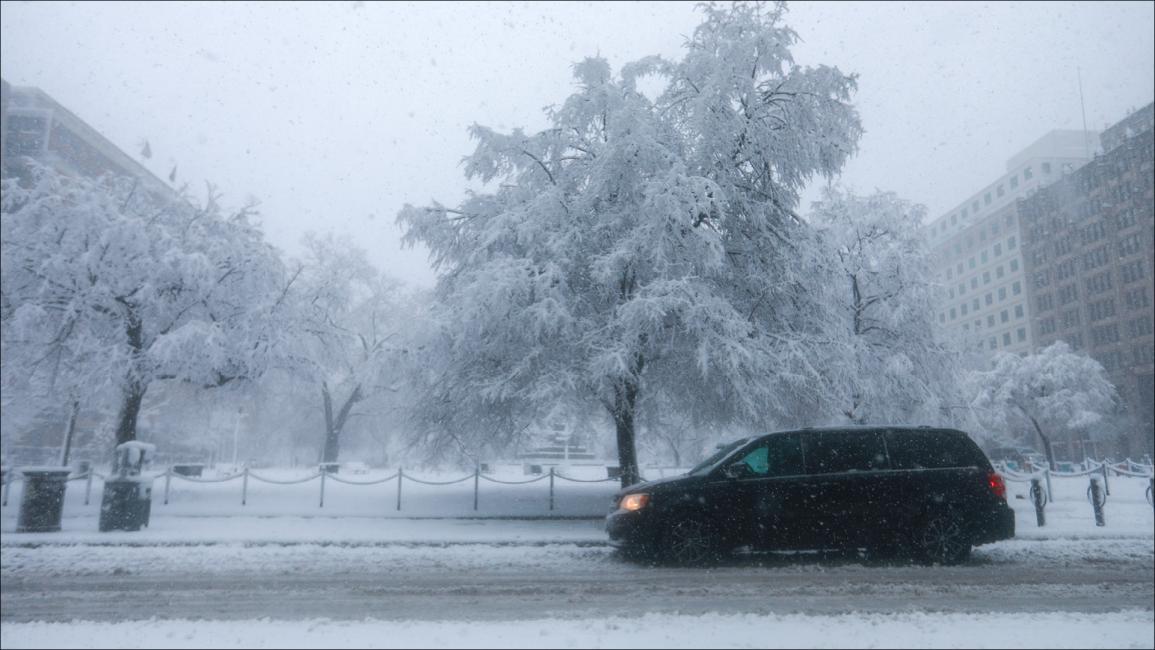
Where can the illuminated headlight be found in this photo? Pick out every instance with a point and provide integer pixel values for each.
(633, 502)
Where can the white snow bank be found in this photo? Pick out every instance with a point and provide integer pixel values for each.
(470, 559)
(318, 530)
(1127, 629)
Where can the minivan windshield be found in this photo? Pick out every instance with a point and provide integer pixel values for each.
(713, 458)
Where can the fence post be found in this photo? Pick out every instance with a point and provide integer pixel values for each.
(1106, 483)
(323, 473)
(87, 487)
(8, 484)
(167, 481)
(245, 486)
(1047, 475)
(1039, 499)
(400, 472)
(476, 477)
(551, 489)
(1097, 501)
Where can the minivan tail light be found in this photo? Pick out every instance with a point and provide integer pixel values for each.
(997, 485)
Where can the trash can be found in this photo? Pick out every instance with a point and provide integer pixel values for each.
(43, 500)
(127, 500)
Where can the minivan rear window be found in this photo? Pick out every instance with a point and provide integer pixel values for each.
(932, 450)
(844, 451)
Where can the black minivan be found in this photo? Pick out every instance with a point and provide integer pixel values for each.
(929, 493)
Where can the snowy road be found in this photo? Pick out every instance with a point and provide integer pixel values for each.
(562, 580)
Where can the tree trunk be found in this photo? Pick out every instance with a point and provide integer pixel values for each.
(68, 433)
(334, 425)
(1047, 448)
(625, 397)
(134, 391)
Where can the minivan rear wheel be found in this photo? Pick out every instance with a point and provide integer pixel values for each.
(942, 540)
(689, 541)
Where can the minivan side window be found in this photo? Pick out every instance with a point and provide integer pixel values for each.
(932, 450)
(849, 451)
(779, 455)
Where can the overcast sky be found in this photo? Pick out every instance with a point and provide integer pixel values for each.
(334, 115)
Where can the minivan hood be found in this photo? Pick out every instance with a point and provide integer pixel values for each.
(647, 486)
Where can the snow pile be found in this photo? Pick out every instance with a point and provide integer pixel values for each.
(1127, 629)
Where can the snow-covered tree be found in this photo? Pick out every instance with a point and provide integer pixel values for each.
(895, 370)
(1052, 390)
(350, 319)
(124, 288)
(641, 247)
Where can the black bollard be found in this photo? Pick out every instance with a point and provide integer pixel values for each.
(1039, 498)
(1098, 499)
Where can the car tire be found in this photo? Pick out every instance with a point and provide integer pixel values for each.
(941, 539)
(691, 541)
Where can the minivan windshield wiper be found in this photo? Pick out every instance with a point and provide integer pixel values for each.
(717, 456)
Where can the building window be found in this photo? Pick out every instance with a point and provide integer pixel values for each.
(1070, 318)
(986, 277)
(1139, 327)
(971, 263)
(994, 342)
(1068, 294)
(1100, 283)
(975, 304)
(1105, 334)
(1101, 309)
(999, 190)
(1143, 355)
(975, 206)
(1130, 245)
(1135, 299)
(998, 249)
(975, 282)
(1028, 174)
(1004, 316)
(1014, 181)
(1014, 265)
(989, 298)
(963, 309)
(952, 313)
(990, 320)
(1017, 288)
(1018, 311)
(1002, 294)
(953, 219)
(999, 273)
(1022, 334)
(1011, 243)
(1046, 168)
(987, 199)
(1047, 326)
(1045, 302)
(1131, 271)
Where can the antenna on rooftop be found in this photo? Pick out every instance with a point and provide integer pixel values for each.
(1083, 108)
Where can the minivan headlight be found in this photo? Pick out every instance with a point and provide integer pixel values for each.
(634, 502)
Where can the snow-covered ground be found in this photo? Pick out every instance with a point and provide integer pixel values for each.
(1126, 629)
(283, 572)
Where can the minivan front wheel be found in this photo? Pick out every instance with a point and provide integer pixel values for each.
(690, 541)
(942, 540)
